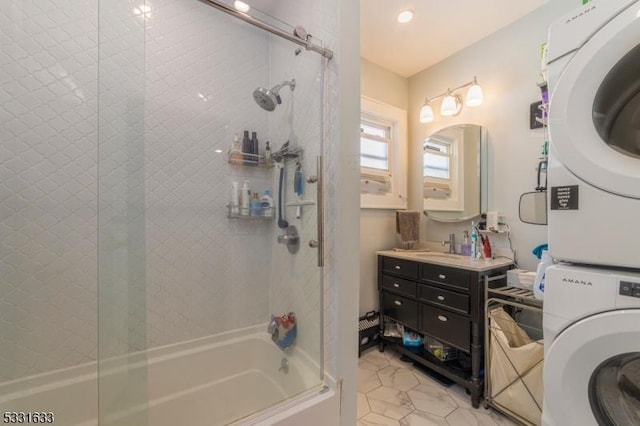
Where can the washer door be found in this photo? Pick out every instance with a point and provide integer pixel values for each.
(592, 372)
(594, 117)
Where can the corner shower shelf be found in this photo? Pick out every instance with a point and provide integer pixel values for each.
(243, 217)
(238, 158)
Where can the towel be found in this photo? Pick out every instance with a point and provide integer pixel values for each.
(283, 330)
(408, 225)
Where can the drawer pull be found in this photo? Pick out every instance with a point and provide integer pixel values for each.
(440, 297)
(398, 267)
(443, 318)
(442, 276)
(397, 302)
(396, 285)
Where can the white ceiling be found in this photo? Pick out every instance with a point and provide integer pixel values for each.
(439, 29)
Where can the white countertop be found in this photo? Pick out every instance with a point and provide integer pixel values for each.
(446, 259)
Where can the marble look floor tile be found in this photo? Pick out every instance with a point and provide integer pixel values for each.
(390, 402)
(432, 400)
(420, 418)
(373, 360)
(394, 358)
(374, 419)
(397, 378)
(367, 380)
(363, 405)
(459, 395)
(425, 379)
(501, 419)
(470, 417)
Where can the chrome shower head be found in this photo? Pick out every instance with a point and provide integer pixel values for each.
(268, 99)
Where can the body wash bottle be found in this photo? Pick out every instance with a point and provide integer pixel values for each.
(235, 201)
(245, 199)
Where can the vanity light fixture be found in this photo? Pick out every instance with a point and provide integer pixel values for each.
(452, 102)
(405, 16)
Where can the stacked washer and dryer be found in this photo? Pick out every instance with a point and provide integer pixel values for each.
(592, 295)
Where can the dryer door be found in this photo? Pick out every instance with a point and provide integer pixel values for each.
(594, 118)
(592, 372)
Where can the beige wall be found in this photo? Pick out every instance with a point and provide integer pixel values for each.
(507, 64)
(377, 226)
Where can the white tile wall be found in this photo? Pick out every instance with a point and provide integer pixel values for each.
(204, 272)
(48, 121)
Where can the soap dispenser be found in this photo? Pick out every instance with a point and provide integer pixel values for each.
(475, 253)
(466, 246)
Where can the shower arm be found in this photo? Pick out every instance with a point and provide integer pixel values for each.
(291, 83)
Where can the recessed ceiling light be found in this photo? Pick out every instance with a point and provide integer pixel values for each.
(405, 16)
(241, 6)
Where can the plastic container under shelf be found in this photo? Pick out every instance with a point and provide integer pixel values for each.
(440, 350)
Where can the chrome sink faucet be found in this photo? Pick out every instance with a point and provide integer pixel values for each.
(451, 242)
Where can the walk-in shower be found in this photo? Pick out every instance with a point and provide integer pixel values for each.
(128, 293)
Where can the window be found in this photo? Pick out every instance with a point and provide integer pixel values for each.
(443, 171)
(383, 156)
(437, 158)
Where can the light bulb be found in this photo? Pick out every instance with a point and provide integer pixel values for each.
(405, 16)
(450, 105)
(474, 94)
(426, 113)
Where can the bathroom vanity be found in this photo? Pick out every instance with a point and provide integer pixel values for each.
(440, 296)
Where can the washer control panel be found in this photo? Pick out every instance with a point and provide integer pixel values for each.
(628, 288)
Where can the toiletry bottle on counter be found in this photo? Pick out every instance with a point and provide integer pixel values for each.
(466, 246)
(245, 199)
(247, 147)
(475, 253)
(254, 148)
(267, 204)
(235, 202)
(538, 285)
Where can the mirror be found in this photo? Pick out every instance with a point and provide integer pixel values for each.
(533, 208)
(454, 169)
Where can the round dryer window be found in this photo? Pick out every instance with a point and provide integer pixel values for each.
(614, 390)
(616, 108)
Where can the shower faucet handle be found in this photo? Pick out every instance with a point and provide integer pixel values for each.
(312, 179)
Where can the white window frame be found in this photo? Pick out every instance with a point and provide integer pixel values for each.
(397, 198)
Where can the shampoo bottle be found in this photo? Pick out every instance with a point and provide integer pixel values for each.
(247, 148)
(254, 149)
(245, 199)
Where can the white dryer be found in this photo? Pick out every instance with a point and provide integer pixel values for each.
(594, 126)
(591, 327)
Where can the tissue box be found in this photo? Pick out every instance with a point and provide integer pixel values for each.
(521, 278)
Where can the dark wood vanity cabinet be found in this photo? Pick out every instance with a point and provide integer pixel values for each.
(443, 302)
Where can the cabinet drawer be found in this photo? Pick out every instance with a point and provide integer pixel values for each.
(405, 268)
(455, 301)
(399, 285)
(441, 274)
(444, 325)
(401, 309)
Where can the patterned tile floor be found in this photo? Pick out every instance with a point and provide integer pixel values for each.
(393, 392)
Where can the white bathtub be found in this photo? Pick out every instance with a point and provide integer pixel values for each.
(232, 377)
